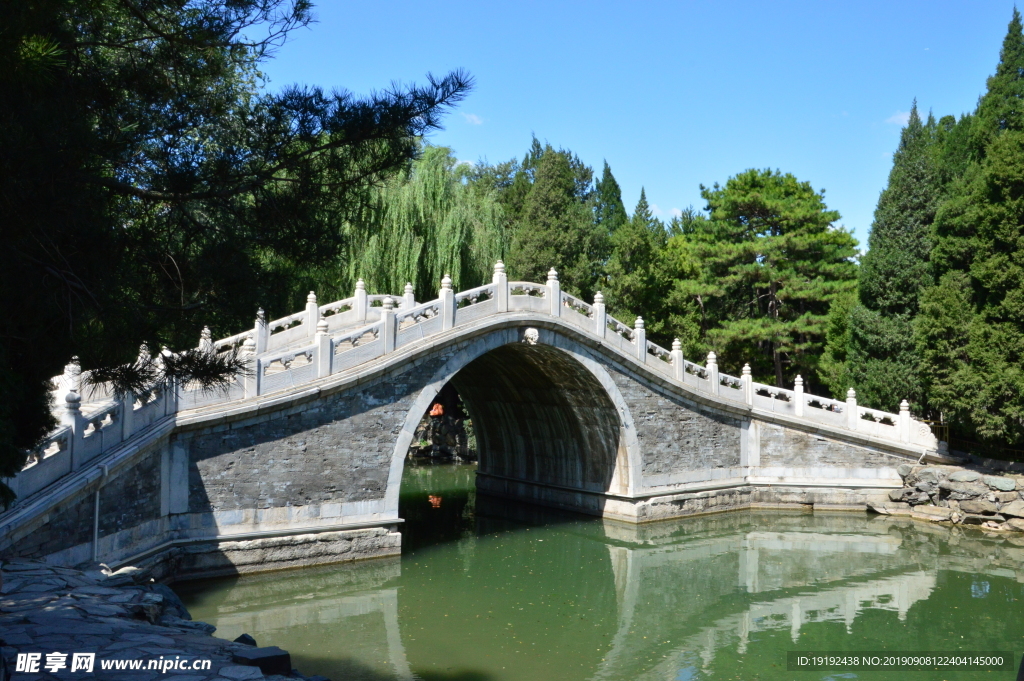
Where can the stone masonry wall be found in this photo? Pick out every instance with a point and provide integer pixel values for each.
(132, 497)
(785, 447)
(335, 450)
(678, 435)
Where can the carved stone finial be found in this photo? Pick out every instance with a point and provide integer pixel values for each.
(321, 326)
(360, 285)
(851, 394)
(311, 298)
(746, 369)
(446, 283)
(598, 298)
(676, 345)
(389, 304)
(552, 275)
(143, 354)
(206, 334)
(248, 347)
(798, 382)
(904, 406)
(73, 401)
(639, 323)
(408, 289)
(499, 267)
(261, 316)
(712, 358)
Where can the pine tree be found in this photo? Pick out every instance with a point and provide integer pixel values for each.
(773, 263)
(1002, 106)
(609, 211)
(633, 285)
(555, 226)
(882, 363)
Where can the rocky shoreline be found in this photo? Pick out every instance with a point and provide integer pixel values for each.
(958, 495)
(117, 616)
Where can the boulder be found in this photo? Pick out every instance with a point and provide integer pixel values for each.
(926, 487)
(1006, 497)
(972, 519)
(931, 474)
(1000, 483)
(963, 490)
(270, 660)
(978, 506)
(904, 469)
(1014, 508)
(965, 476)
(932, 513)
(1016, 524)
(917, 498)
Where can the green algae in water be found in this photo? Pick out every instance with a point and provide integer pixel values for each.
(495, 590)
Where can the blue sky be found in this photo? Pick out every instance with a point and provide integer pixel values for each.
(673, 94)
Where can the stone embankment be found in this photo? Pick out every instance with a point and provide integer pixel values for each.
(56, 612)
(958, 495)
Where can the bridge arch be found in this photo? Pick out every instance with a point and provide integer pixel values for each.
(547, 415)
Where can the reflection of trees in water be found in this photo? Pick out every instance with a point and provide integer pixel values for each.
(697, 589)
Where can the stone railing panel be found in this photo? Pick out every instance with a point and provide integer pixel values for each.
(825, 410)
(52, 462)
(524, 296)
(287, 370)
(475, 304)
(358, 346)
(778, 400)
(660, 359)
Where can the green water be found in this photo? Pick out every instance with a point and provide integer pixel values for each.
(498, 591)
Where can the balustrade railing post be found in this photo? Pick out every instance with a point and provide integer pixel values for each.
(678, 361)
(72, 418)
(388, 324)
(712, 367)
(324, 350)
(640, 340)
(409, 299)
(554, 294)
(127, 402)
(312, 314)
(251, 381)
(447, 304)
(904, 421)
(500, 286)
(748, 385)
(261, 334)
(206, 341)
(798, 395)
(361, 301)
(600, 315)
(851, 409)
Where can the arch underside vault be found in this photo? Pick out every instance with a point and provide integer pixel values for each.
(542, 417)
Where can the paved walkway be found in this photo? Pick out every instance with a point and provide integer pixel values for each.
(121, 616)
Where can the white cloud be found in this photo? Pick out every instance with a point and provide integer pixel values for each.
(473, 119)
(675, 212)
(655, 210)
(899, 118)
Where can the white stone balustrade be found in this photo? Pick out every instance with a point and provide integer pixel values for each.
(324, 340)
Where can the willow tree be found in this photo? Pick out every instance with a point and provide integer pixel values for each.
(423, 223)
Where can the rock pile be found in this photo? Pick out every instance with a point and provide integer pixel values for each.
(958, 495)
(54, 611)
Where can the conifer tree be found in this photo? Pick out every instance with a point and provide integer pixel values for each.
(609, 211)
(882, 363)
(632, 274)
(773, 264)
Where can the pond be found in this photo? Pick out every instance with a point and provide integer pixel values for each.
(491, 590)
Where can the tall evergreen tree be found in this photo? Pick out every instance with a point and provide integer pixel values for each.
(1002, 106)
(556, 228)
(633, 284)
(882, 363)
(609, 211)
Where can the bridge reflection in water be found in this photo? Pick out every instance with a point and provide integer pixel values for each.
(525, 593)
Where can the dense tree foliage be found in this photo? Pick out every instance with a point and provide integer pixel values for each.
(940, 317)
(151, 186)
(882, 363)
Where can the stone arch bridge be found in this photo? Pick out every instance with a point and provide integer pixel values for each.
(301, 461)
